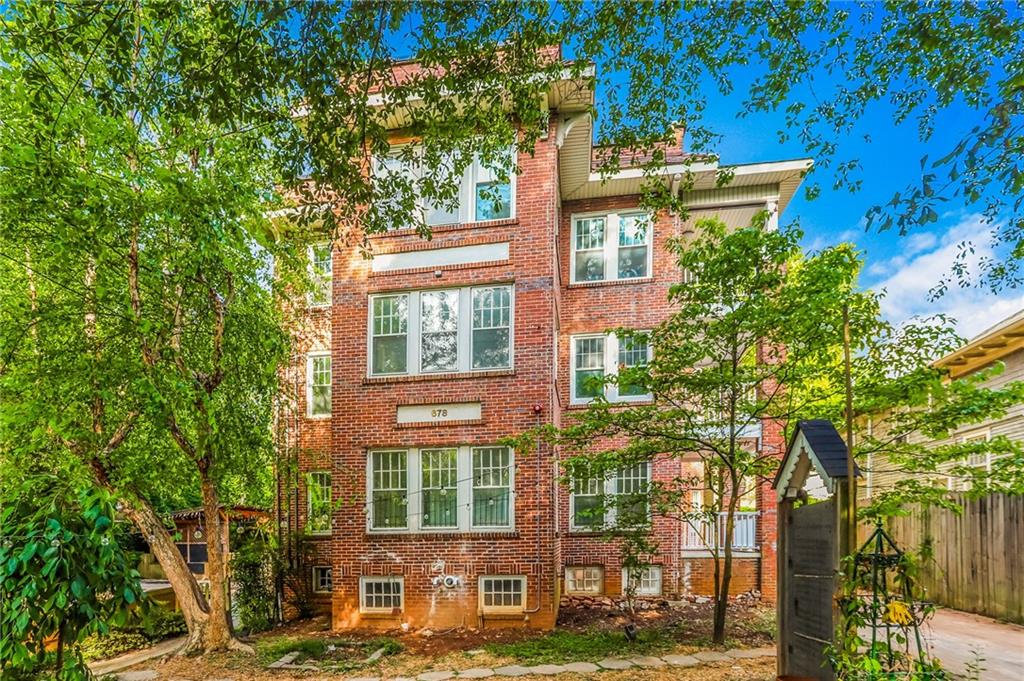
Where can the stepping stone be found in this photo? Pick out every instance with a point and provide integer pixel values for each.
(647, 661)
(681, 660)
(376, 655)
(610, 663)
(435, 676)
(476, 651)
(285, 660)
(141, 675)
(547, 669)
(512, 670)
(749, 653)
(712, 656)
(476, 673)
(582, 667)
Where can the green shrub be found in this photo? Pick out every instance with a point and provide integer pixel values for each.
(100, 646)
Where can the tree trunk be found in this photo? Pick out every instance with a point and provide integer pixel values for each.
(722, 587)
(190, 599)
(219, 634)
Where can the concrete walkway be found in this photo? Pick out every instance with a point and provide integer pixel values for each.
(953, 636)
(116, 664)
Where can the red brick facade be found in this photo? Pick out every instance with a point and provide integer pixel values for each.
(548, 310)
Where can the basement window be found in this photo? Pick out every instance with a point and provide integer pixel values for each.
(502, 594)
(584, 580)
(322, 582)
(645, 581)
(381, 594)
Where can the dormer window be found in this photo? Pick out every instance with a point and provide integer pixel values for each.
(611, 247)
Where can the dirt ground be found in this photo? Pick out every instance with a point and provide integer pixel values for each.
(240, 670)
(688, 625)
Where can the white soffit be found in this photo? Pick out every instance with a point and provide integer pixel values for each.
(441, 257)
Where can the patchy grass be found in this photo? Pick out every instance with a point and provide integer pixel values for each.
(322, 649)
(574, 646)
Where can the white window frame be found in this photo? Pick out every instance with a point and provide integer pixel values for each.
(467, 187)
(463, 490)
(611, 245)
(326, 278)
(363, 581)
(572, 586)
(414, 332)
(608, 491)
(310, 359)
(316, 579)
(309, 503)
(982, 435)
(502, 608)
(611, 368)
(641, 590)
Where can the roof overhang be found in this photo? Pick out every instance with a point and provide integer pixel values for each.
(987, 347)
(578, 181)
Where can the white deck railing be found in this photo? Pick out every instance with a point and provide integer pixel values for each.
(705, 535)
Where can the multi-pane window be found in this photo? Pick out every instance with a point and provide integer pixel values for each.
(457, 489)
(389, 490)
(318, 381)
(502, 593)
(595, 357)
(588, 367)
(611, 247)
(318, 493)
(441, 331)
(589, 250)
(587, 503)
(584, 580)
(322, 579)
(389, 334)
(492, 196)
(492, 486)
(619, 499)
(439, 488)
(492, 326)
(321, 272)
(479, 192)
(631, 489)
(645, 581)
(381, 594)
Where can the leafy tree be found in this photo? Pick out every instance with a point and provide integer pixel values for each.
(62, 574)
(752, 319)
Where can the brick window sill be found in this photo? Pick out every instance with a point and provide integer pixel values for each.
(610, 282)
(450, 376)
(440, 536)
(440, 229)
(612, 405)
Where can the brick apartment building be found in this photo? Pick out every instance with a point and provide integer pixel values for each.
(433, 351)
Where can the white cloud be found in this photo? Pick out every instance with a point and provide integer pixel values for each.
(922, 264)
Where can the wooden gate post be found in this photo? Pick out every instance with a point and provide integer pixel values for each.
(813, 530)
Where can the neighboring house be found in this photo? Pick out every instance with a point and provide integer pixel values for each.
(433, 351)
(1003, 342)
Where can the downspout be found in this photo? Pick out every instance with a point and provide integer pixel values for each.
(537, 409)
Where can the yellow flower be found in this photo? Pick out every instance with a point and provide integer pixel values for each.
(897, 612)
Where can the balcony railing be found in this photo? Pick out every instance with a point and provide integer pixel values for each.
(705, 535)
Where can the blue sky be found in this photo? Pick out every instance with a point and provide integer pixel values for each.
(905, 267)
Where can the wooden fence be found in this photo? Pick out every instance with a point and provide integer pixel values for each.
(978, 556)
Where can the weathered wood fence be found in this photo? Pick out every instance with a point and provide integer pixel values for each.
(978, 563)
